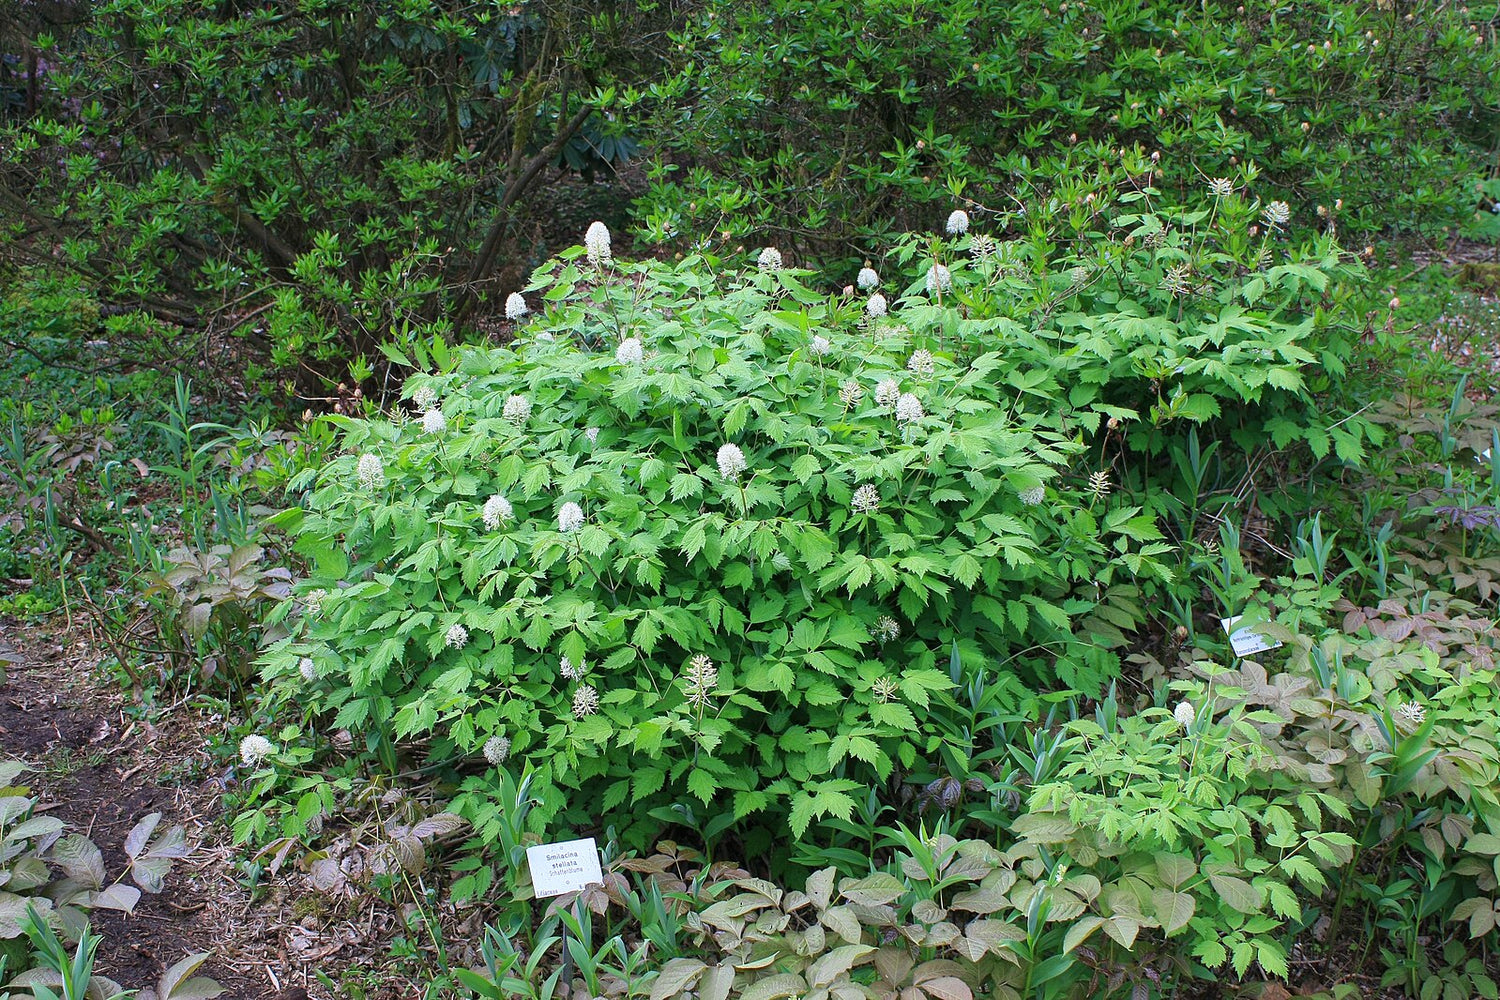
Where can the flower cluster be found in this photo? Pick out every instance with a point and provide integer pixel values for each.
(457, 636)
(1185, 714)
(515, 306)
(254, 749)
(887, 392)
(425, 398)
(921, 363)
(517, 409)
(876, 307)
(820, 345)
(731, 462)
(585, 701)
(496, 750)
(572, 671)
(1099, 484)
(497, 510)
(769, 260)
(313, 601)
(939, 279)
(1277, 214)
(630, 352)
(308, 669)
(908, 409)
(850, 393)
(569, 518)
(866, 500)
(887, 629)
(1175, 281)
(1412, 712)
(370, 472)
(1221, 187)
(433, 421)
(958, 222)
(867, 278)
(1033, 496)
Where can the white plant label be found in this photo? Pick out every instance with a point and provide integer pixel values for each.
(570, 866)
(1246, 641)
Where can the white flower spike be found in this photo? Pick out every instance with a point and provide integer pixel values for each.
(425, 398)
(585, 702)
(866, 500)
(908, 409)
(939, 279)
(596, 242)
(370, 472)
(496, 750)
(517, 409)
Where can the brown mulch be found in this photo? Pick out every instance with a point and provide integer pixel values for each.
(100, 764)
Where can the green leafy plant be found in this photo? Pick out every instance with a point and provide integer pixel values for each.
(215, 600)
(73, 976)
(705, 533)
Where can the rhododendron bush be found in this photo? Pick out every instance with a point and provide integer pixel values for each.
(706, 532)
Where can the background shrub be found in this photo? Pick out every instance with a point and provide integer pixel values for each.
(320, 176)
(830, 127)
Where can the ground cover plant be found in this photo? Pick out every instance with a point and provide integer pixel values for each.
(51, 880)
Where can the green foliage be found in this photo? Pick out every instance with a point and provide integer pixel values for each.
(215, 603)
(1158, 848)
(1485, 224)
(333, 172)
(120, 501)
(74, 977)
(839, 125)
(989, 526)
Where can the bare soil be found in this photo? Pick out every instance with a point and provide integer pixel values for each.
(100, 770)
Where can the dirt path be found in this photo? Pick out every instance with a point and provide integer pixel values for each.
(100, 771)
